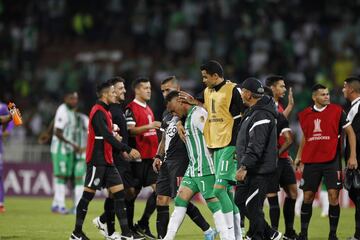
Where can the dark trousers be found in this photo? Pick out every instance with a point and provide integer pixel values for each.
(249, 197)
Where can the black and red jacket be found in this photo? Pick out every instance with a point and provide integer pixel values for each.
(100, 136)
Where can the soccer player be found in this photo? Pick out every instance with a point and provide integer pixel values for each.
(101, 171)
(223, 102)
(63, 149)
(319, 153)
(5, 118)
(171, 161)
(351, 92)
(142, 128)
(285, 174)
(106, 222)
(256, 152)
(79, 166)
(199, 176)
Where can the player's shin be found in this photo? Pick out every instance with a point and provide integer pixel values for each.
(177, 218)
(219, 219)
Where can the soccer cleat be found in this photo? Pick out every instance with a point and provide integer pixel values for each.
(333, 236)
(276, 236)
(101, 226)
(131, 236)
(291, 235)
(114, 236)
(211, 235)
(302, 237)
(59, 210)
(353, 238)
(145, 231)
(78, 236)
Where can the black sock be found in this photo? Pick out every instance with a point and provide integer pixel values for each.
(274, 211)
(334, 214)
(149, 210)
(242, 223)
(81, 209)
(162, 220)
(306, 212)
(110, 215)
(289, 214)
(120, 211)
(196, 217)
(130, 206)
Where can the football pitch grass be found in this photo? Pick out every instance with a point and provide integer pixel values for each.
(30, 218)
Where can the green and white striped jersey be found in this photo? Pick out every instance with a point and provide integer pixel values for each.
(82, 122)
(201, 163)
(66, 121)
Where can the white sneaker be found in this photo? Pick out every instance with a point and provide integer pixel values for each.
(101, 226)
(114, 236)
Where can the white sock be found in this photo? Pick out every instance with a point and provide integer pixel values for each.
(78, 191)
(176, 219)
(237, 226)
(220, 224)
(229, 218)
(56, 193)
(324, 201)
(208, 231)
(61, 196)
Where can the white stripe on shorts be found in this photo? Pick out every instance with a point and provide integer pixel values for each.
(92, 176)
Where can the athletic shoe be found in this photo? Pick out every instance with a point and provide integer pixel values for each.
(101, 226)
(114, 236)
(131, 236)
(210, 235)
(78, 236)
(353, 238)
(276, 236)
(333, 237)
(2, 209)
(302, 237)
(290, 235)
(59, 210)
(145, 231)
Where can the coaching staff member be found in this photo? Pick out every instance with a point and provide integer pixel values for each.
(319, 152)
(351, 92)
(101, 171)
(256, 152)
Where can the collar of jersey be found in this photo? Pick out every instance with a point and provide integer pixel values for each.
(140, 103)
(355, 101)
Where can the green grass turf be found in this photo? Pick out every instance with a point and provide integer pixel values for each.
(30, 218)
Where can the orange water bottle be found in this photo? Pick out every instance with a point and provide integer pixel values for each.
(15, 114)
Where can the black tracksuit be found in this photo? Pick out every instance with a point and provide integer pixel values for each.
(256, 149)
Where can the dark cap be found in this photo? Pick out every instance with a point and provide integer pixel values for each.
(253, 85)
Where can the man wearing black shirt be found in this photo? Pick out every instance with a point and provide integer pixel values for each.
(105, 223)
(101, 171)
(171, 162)
(351, 92)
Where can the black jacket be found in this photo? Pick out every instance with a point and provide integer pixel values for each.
(256, 145)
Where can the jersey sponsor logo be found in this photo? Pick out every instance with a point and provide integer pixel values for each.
(317, 127)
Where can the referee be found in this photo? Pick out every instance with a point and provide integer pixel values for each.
(351, 92)
(101, 171)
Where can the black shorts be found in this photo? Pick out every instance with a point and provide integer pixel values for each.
(124, 168)
(98, 177)
(314, 172)
(169, 179)
(144, 173)
(284, 176)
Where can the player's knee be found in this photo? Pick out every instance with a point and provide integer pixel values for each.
(292, 192)
(309, 197)
(162, 200)
(219, 191)
(214, 205)
(179, 202)
(333, 197)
